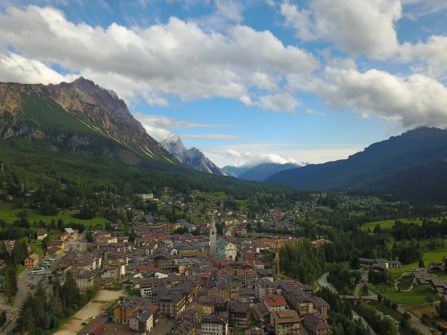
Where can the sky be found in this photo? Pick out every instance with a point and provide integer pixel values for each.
(246, 82)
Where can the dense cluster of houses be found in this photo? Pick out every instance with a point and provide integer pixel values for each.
(177, 277)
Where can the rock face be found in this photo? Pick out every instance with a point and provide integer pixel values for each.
(193, 157)
(78, 114)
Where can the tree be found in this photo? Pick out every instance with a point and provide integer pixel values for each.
(421, 263)
(10, 287)
(442, 308)
(20, 251)
(26, 318)
(70, 292)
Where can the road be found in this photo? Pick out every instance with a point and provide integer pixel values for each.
(27, 282)
(416, 323)
(323, 282)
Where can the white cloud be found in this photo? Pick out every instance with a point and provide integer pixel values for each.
(419, 8)
(159, 134)
(432, 55)
(210, 136)
(251, 158)
(15, 68)
(415, 100)
(280, 102)
(300, 20)
(176, 59)
(160, 127)
(254, 154)
(162, 121)
(359, 27)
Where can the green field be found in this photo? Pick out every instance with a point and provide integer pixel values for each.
(387, 224)
(10, 214)
(429, 256)
(386, 310)
(420, 294)
(36, 247)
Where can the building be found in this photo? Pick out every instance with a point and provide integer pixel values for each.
(214, 325)
(315, 325)
(172, 305)
(239, 314)
(41, 233)
(265, 287)
(126, 309)
(85, 279)
(285, 322)
(275, 303)
(227, 250)
(379, 263)
(32, 260)
(213, 233)
(142, 322)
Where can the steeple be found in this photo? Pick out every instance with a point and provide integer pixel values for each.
(213, 233)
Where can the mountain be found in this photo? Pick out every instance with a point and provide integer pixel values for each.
(235, 171)
(411, 165)
(77, 138)
(78, 117)
(193, 157)
(259, 172)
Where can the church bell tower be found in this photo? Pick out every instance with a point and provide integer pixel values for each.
(213, 233)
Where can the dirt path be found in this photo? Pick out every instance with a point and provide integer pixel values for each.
(89, 312)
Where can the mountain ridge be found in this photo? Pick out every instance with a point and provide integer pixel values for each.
(259, 172)
(406, 166)
(37, 111)
(192, 157)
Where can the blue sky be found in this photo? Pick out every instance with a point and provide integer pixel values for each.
(245, 81)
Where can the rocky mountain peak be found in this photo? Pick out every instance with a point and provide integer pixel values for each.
(192, 157)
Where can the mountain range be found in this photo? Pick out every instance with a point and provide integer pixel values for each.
(81, 134)
(412, 165)
(193, 157)
(260, 172)
(80, 131)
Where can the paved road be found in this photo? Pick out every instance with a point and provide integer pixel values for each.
(416, 322)
(323, 282)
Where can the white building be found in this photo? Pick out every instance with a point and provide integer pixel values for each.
(214, 325)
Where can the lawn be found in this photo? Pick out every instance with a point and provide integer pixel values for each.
(405, 283)
(429, 256)
(386, 310)
(9, 215)
(420, 294)
(36, 246)
(387, 224)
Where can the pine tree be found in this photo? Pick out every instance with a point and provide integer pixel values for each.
(70, 291)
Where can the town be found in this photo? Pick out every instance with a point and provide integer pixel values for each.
(214, 276)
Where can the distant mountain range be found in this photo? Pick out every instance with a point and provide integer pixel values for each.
(193, 157)
(259, 172)
(412, 165)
